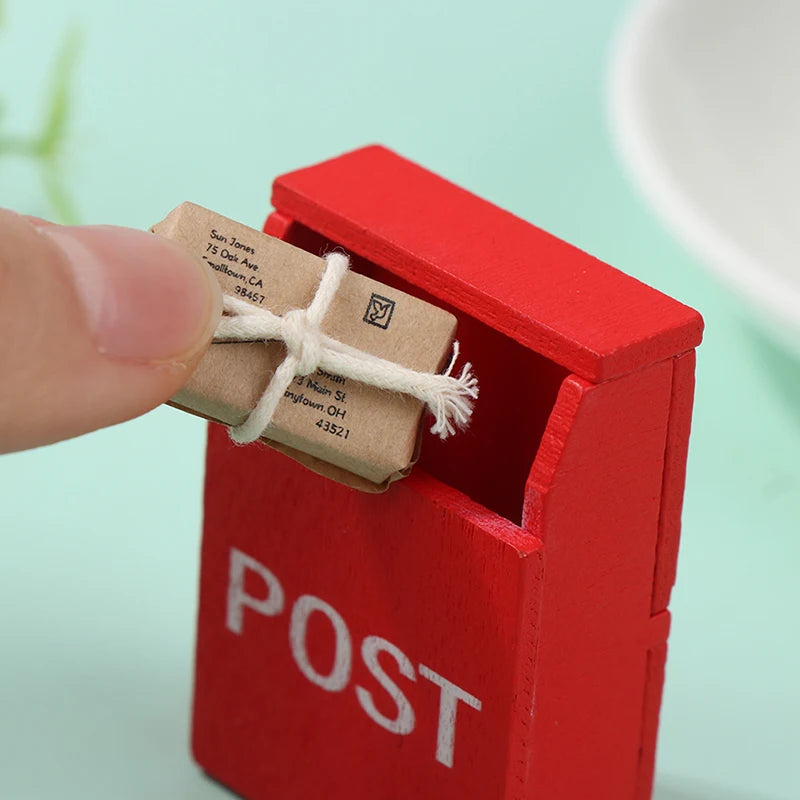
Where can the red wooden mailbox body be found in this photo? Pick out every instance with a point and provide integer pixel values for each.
(494, 626)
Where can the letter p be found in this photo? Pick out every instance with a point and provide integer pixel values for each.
(238, 599)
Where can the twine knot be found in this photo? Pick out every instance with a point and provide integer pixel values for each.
(449, 399)
(301, 336)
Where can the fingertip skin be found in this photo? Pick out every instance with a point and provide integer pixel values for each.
(146, 299)
(97, 325)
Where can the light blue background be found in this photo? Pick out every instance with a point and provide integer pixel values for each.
(204, 101)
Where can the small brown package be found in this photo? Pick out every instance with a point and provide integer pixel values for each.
(351, 432)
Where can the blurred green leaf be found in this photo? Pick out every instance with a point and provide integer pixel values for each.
(58, 195)
(47, 147)
(53, 133)
(17, 146)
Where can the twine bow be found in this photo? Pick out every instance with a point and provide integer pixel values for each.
(449, 399)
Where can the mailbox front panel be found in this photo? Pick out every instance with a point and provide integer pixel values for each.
(356, 645)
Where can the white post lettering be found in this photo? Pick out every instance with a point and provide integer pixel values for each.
(238, 599)
(298, 627)
(448, 706)
(403, 723)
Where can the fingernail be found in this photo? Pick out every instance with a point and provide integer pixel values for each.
(146, 299)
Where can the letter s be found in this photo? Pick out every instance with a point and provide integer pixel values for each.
(403, 723)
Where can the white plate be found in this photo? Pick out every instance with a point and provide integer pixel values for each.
(705, 106)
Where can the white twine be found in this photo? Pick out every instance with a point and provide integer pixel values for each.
(450, 399)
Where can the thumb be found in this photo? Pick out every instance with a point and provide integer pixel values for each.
(97, 325)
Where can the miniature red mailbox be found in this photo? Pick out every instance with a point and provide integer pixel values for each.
(493, 626)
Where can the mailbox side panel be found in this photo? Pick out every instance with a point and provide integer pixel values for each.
(323, 609)
(594, 497)
(674, 479)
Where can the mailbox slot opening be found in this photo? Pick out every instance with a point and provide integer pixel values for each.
(490, 461)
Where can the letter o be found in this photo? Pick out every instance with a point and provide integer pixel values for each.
(339, 675)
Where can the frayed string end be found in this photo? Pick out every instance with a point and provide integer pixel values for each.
(453, 403)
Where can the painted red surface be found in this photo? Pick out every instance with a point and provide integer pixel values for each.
(493, 626)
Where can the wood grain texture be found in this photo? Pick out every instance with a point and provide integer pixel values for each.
(553, 298)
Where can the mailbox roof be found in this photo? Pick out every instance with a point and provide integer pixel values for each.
(550, 296)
